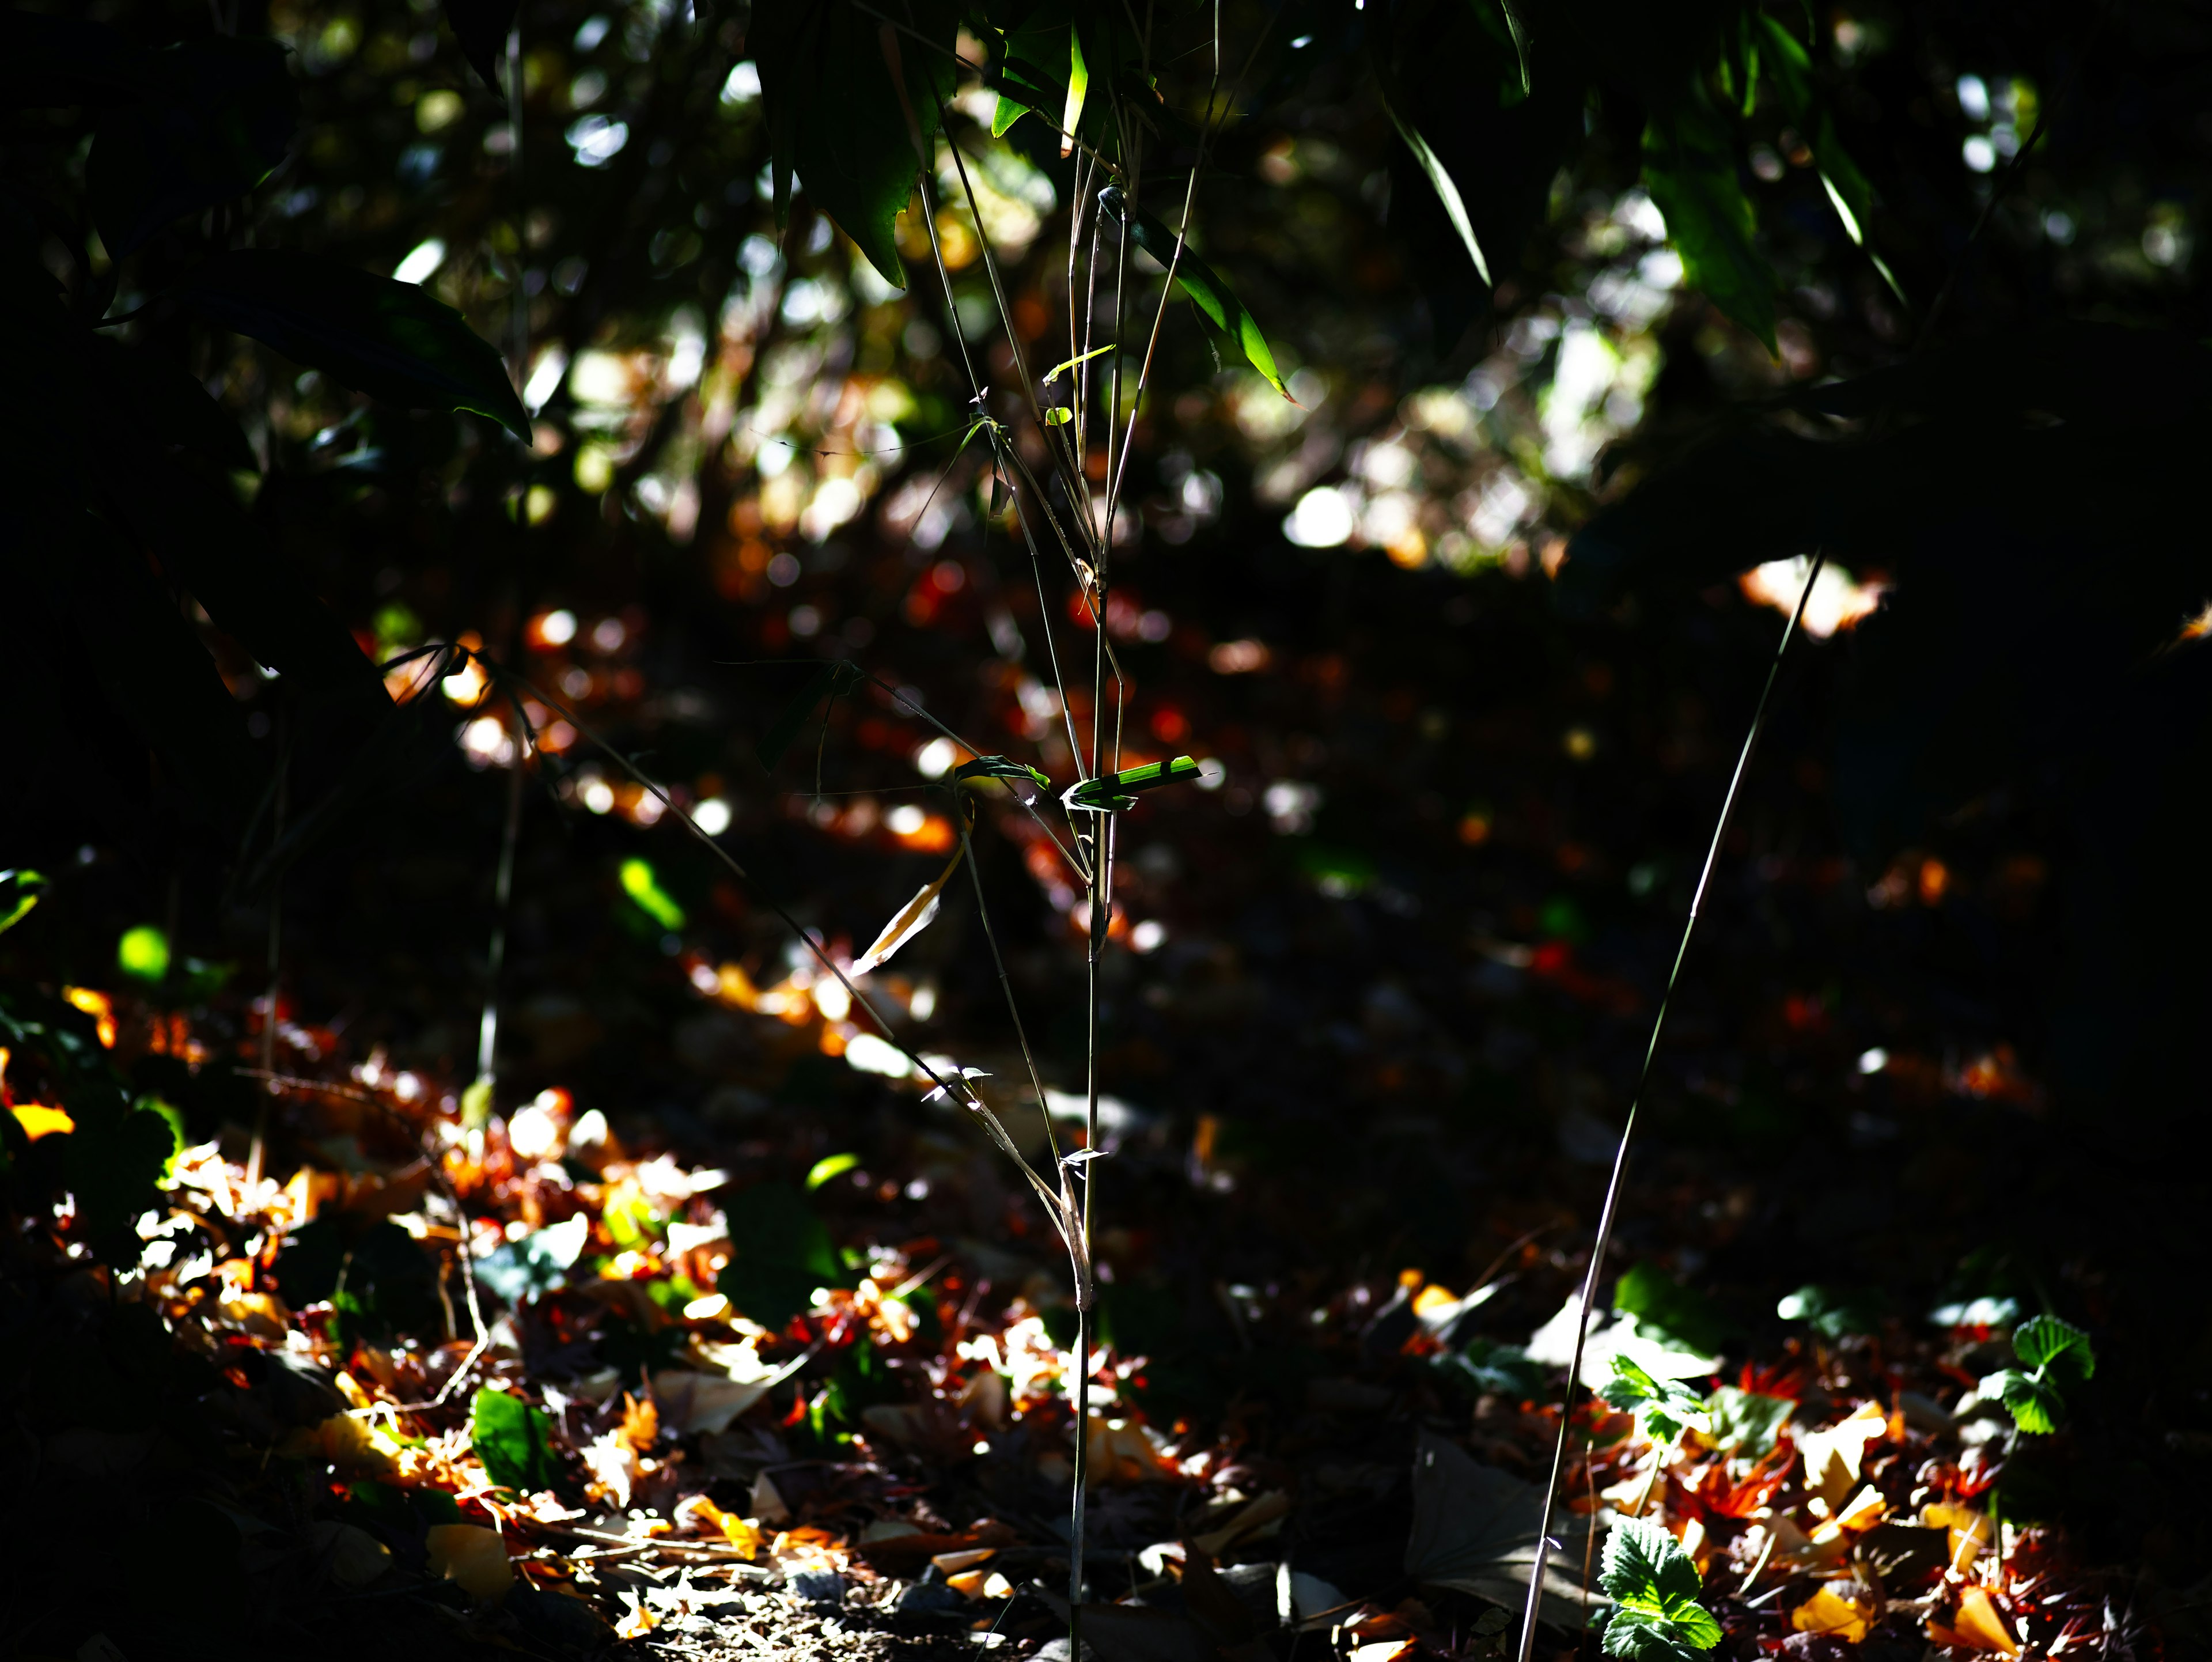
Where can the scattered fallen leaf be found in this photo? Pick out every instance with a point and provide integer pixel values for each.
(40, 1121)
(1971, 1530)
(472, 1557)
(637, 1621)
(1833, 1457)
(1978, 1626)
(910, 920)
(352, 1557)
(1847, 1614)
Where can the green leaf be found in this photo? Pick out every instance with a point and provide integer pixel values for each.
(1646, 1573)
(1667, 1408)
(218, 115)
(837, 120)
(2054, 1348)
(391, 340)
(1395, 105)
(1058, 415)
(830, 681)
(143, 954)
(1665, 1309)
(642, 885)
(510, 1437)
(1831, 1312)
(1492, 1368)
(172, 405)
(1789, 70)
(482, 27)
(2035, 1402)
(780, 1253)
(1224, 314)
(1690, 170)
(19, 894)
(828, 1167)
(1110, 791)
(1746, 1422)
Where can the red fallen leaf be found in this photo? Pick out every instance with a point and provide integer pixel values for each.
(912, 1550)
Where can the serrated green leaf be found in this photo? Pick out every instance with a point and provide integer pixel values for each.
(1656, 1587)
(2054, 1346)
(1224, 314)
(1666, 1407)
(388, 339)
(218, 117)
(2035, 1403)
(1690, 170)
(510, 1437)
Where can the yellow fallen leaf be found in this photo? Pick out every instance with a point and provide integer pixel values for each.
(1432, 1301)
(261, 1314)
(1866, 1509)
(969, 1584)
(352, 1556)
(356, 1447)
(472, 1557)
(40, 1121)
(950, 1564)
(910, 921)
(1971, 1530)
(1833, 1457)
(637, 1621)
(1828, 1611)
(1978, 1626)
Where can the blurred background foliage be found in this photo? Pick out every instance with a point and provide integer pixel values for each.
(1450, 823)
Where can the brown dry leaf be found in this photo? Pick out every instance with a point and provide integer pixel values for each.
(910, 920)
(472, 1557)
(1978, 1626)
(1847, 1615)
(1833, 1457)
(1121, 1452)
(1269, 1508)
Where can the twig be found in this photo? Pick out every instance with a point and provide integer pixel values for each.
(1628, 1128)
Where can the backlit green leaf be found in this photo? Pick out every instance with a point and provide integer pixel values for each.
(2054, 1346)
(19, 894)
(642, 885)
(1689, 169)
(1224, 314)
(509, 1436)
(1646, 1573)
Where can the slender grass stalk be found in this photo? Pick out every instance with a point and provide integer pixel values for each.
(1628, 1127)
(501, 896)
(257, 1152)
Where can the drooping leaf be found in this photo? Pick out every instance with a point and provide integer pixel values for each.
(1394, 103)
(1023, 781)
(839, 122)
(780, 1253)
(511, 1438)
(829, 681)
(216, 116)
(910, 920)
(481, 28)
(1224, 314)
(19, 892)
(1789, 70)
(1690, 170)
(1656, 1587)
(391, 340)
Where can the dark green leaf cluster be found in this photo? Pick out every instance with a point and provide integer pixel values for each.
(1655, 1588)
(2053, 1355)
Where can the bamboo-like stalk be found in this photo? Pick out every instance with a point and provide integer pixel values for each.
(1628, 1127)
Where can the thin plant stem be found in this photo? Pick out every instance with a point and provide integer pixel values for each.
(1013, 1010)
(1628, 1128)
(257, 1154)
(502, 892)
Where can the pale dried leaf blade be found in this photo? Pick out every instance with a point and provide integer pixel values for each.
(912, 919)
(1474, 1528)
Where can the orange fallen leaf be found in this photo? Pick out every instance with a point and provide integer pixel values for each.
(1978, 1626)
(472, 1557)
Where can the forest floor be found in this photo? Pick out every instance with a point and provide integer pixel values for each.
(777, 1361)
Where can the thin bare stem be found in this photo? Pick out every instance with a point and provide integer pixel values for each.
(502, 894)
(1013, 1010)
(1628, 1128)
(257, 1152)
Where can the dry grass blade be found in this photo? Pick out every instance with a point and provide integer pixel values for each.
(911, 919)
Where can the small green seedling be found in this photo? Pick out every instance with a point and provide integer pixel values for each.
(1665, 1408)
(1653, 1586)
(2053, 1353)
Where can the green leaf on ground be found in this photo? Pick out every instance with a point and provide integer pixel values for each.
(1665, 1309)
(510, 1437)
(1666, 1407)
(1648, 1575)
(1747, 1422)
